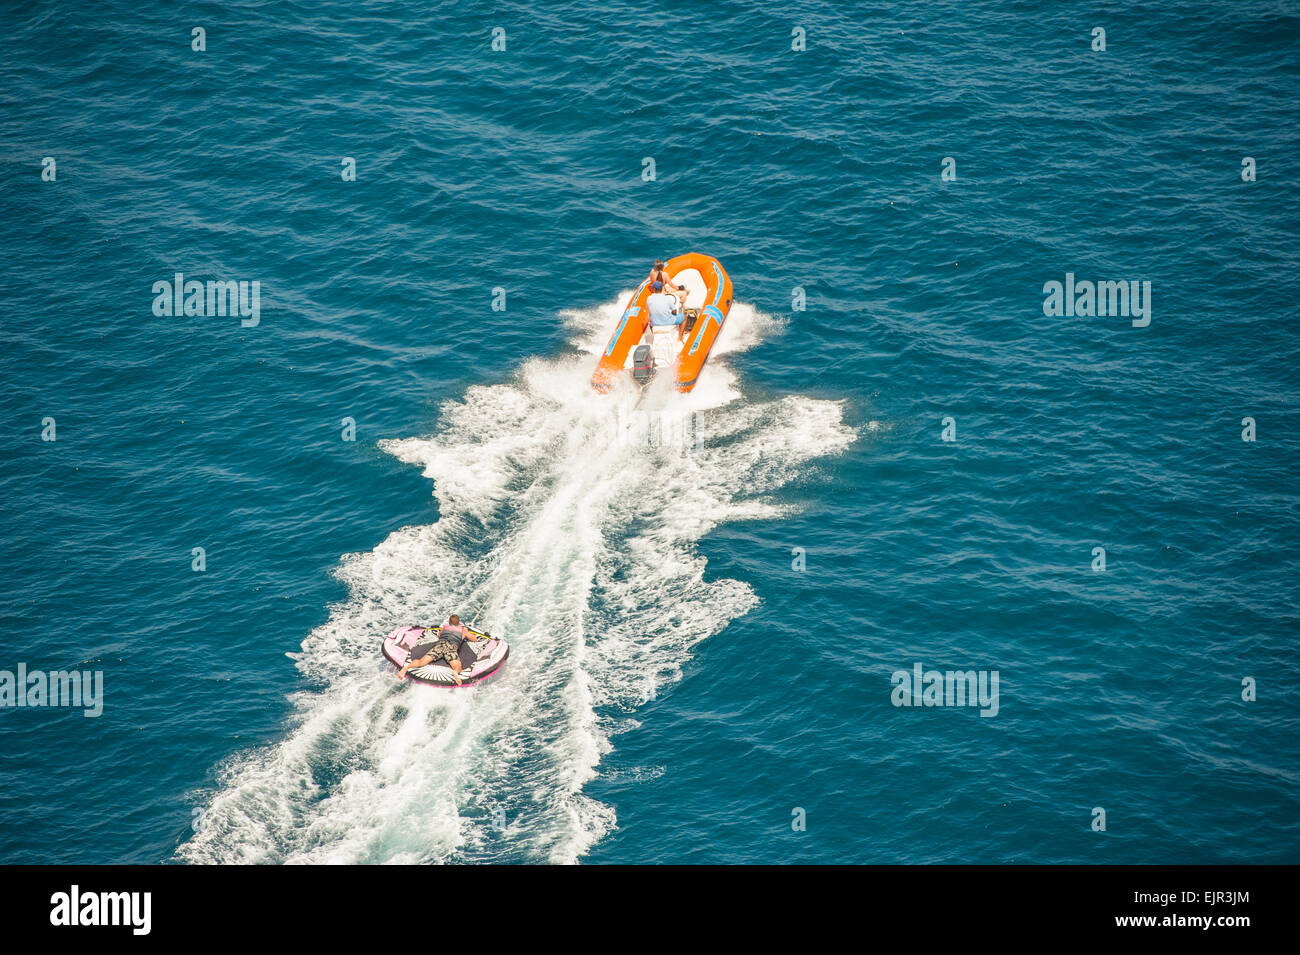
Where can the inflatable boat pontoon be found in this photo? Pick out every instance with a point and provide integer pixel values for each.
(682, 349)
(479, 659)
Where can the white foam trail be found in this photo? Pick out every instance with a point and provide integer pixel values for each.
(574, 518)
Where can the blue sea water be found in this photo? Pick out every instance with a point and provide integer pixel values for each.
(704, 631)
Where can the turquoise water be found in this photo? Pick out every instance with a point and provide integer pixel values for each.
(677, 689)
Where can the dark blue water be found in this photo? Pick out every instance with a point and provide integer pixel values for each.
(703, 629)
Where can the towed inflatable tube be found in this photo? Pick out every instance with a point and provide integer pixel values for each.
(491, 657)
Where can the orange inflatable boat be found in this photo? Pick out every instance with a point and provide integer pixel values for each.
(679, 342)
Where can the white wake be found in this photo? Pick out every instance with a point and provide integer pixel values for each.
(573, 519)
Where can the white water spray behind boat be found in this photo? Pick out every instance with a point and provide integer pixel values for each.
(575, 518)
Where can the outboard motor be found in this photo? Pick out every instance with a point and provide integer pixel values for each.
(643, 364)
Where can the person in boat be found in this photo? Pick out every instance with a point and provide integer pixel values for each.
(445, 649)
(664, 311)
(661, 281)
